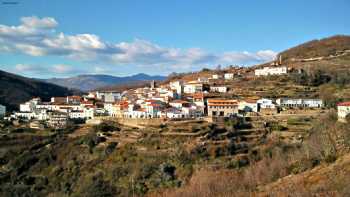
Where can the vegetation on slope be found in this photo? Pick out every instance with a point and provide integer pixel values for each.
(328, 141)
(318, 48)
(16, 89)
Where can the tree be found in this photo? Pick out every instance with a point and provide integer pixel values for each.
(319, 77)
(327, 94)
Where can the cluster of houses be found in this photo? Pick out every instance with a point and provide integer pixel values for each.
(175, 100)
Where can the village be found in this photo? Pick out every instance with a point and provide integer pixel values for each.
(204, 98)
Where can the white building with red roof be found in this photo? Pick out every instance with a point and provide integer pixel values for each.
(343, 109)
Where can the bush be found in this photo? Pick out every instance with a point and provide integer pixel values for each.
(106, 126)
(195, 129)
(91, 140)
(275, 126)
(168, 171)
(327, 138)
(231, 148)
(96, 186)
(111, 147)
(23, 130)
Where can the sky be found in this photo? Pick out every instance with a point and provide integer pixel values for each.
(63, 38)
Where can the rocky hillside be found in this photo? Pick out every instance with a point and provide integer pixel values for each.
(15, 89)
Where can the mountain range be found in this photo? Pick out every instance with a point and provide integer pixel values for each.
(92, 82)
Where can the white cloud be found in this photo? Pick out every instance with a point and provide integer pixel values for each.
(246, 57)
(58, 69)
(36, 22)
(37, 37)
(62, 68)
(28, 68)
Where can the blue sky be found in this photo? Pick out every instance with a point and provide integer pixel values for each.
(41, 38)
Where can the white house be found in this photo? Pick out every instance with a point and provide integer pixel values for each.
(86, 113)
(25, 115)
(58, 120)
(304, 103)
(109, 107)
(174, 113)
(89, 112)
(343, 110)
(229, 76)
(198, 99)
(29, 105)
(41, 114)
(248, 105)
(193, 87)
(265, 103)
(178, 103)
(108, 96)
(222, 107)
(177, 86)
(271, 71)
(137, 113)
(192, 111)
(221, 89)
(2, 111)
(216, 76)
(203, 79)
(152, 110)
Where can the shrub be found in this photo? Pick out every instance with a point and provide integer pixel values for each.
(275, 126)
(106, 126)
(91, 140)
(195, 129)
(168, 171)
(96, 186)
(111, 147)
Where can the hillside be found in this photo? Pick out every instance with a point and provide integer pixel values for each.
(324, 179)
(91, 82)
(15, 89)
(334, 45)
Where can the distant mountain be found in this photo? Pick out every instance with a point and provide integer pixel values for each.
(91, 82)
(15, 89)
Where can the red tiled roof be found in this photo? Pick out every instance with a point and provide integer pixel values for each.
(179, 101)
(221, 102)
(344, 104)
(87, 102)
(151, 100)
(198, 95)
(251, 100)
